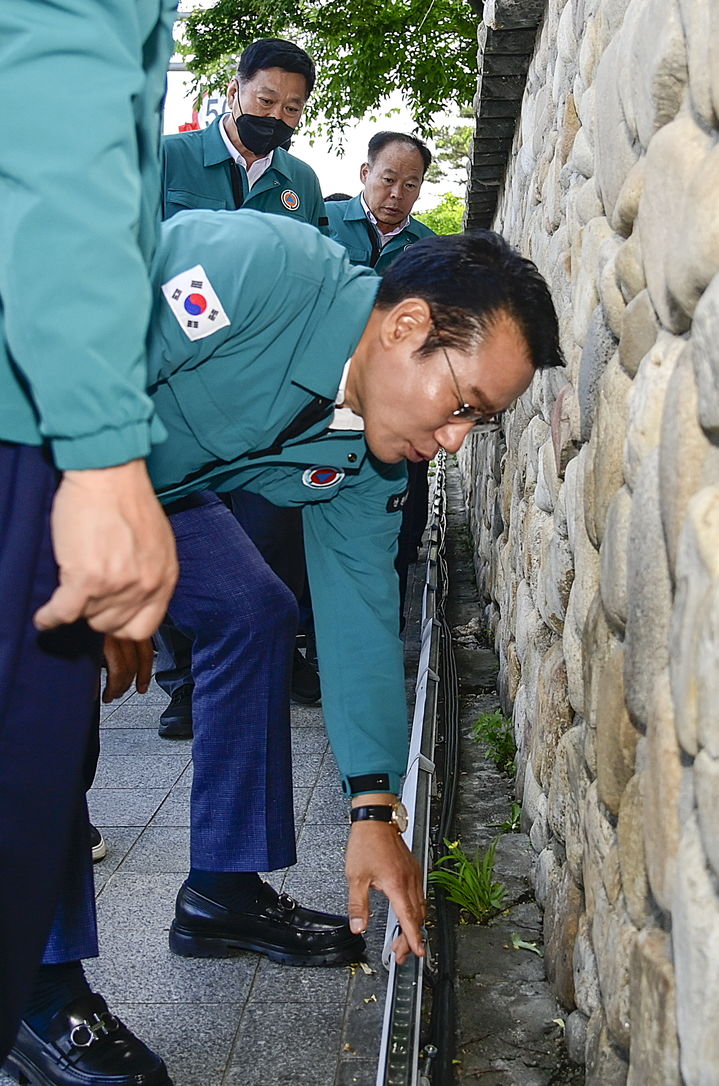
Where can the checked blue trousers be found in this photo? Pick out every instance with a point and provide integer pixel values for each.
(242, 621)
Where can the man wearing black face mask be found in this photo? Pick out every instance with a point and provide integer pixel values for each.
(240, 162)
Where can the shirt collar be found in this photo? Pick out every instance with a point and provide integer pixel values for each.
(255, 171)
(344, 418)
(383, 238)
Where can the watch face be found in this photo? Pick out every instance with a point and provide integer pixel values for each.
(400, 817)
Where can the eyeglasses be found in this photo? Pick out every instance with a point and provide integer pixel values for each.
(483, 423)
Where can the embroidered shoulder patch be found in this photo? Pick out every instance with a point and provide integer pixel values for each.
(194, 303)
(397, 502)
(290, 200)
(320, 478)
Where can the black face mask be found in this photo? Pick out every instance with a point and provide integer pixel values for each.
(262, 134)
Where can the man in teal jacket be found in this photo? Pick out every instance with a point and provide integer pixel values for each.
(376, 226)
(84, 545)
(277, 366)
(239, 160)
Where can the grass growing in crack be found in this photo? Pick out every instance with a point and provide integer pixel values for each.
(495, 730)
(469, 881)
(513, 822)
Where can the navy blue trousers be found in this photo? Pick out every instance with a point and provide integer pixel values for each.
(241, 620)
(277, 534)
(48, 692)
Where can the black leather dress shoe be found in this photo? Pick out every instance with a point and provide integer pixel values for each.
(176, 718)
(280, 928)
(86, 1046)
(305, 684)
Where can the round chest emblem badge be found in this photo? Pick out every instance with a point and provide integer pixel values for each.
(322, 478)
(290, 200)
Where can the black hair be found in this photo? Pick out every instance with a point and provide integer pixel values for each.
(276, 53)
(337, 196)
(382, 139)
(468, 281)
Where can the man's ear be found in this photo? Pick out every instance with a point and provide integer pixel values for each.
(364, 170)
(233, 89)
(409, 321)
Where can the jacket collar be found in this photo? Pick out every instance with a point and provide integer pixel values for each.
(215, 150)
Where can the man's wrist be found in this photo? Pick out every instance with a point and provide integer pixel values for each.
(374, 799)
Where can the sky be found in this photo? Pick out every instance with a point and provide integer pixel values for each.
(337, 173)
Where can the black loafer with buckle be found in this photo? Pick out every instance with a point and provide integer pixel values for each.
(280, 928)
(86, 1046)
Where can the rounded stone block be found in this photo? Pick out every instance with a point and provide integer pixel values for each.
(601, 864)
(566, 801)
(613, 938)
(564, 427)
(605, 452)
(610, 292)
(695, 943)
(554, 714)
(562, 910)
(640, 328)
(661, 784)
(654, 51)
(705, 358)
(631, 856)
(678, 237)
(695, 626)
(630, 269)
(701, 26)
(616, 150)
(627, 205)
(646, 402)
(654, 1053)
(706, 790)
(606, 1064)
(554, 581)
(586, 981)
(605, 708)
(649, 597)
(613, 555)
(575, 1036)
(684, 452)
(599, 347)
(585, 261)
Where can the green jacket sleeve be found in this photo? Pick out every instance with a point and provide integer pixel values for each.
(350, 543)
(79, 197)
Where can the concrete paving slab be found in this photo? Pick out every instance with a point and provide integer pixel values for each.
(119, 841)
(301, 1050)
(159, 850)
(195, 1040)
(124, 806)
(133, 771)
(175, 809)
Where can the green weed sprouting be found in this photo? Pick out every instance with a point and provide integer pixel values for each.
(469, 881)
(513, 822)
(495, 730)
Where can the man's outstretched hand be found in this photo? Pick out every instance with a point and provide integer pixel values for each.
(115, 551)
(377, 857)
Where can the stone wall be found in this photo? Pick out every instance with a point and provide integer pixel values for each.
(596, 524)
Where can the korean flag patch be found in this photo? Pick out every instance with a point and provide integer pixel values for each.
(192, 298)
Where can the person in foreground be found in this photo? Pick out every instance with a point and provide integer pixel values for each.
(84, 545)
(314, 393)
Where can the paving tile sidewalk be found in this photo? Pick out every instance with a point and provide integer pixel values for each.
(235, 1022)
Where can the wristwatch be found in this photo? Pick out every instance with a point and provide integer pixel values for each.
(395, 813)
